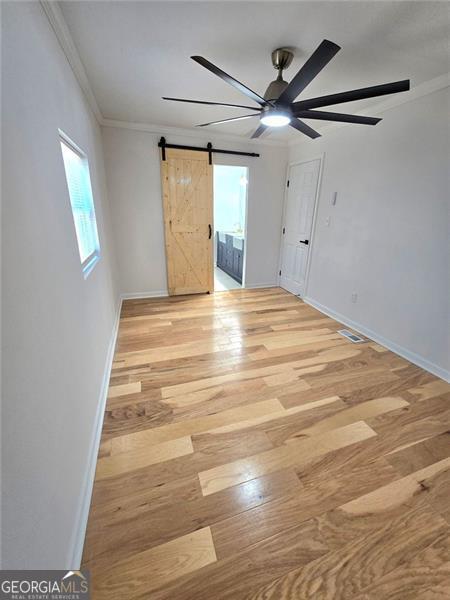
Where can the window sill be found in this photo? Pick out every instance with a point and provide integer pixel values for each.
(89, 264)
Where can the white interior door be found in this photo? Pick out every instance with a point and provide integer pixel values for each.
(303, 180)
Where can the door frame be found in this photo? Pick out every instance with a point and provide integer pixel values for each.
(230, 161)
(321, 158)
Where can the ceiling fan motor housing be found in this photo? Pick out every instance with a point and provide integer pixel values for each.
(282, 58)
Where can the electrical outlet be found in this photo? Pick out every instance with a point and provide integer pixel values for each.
(354, 297)
(327, 222)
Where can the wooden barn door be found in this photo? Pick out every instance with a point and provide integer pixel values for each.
(187, 187)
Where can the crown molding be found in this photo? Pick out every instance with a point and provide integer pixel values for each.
(55, 17)
(187, 132)
(57, 22)
(423, 89)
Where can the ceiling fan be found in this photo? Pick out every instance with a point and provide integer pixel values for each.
(277, 107)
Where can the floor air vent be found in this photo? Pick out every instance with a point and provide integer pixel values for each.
(353, 337)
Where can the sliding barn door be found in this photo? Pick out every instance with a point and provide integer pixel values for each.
(187, 187)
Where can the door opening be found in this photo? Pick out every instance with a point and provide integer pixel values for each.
(299, 208)
(230, 209)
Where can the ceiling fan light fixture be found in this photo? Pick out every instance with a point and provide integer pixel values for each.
(275, 118)
(278, 107)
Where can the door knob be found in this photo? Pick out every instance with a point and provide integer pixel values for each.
(306, 242)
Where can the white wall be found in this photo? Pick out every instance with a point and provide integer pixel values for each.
(388, 239)
(56, 326)
(132, 164)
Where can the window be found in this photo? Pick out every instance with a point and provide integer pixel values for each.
(80, 192)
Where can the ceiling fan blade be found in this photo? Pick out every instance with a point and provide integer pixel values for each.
(261, 129)
(304, 128)
(339, 117)
(211, 103)
(234, 82)
(312, 67)
(228, 120)
(361, 94)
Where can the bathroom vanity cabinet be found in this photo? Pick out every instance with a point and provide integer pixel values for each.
(230, 254)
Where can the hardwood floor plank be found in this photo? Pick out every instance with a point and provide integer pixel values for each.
(436, 413)
(307, 323)
(296, 341)
(378, 347)
(421, 454)
(359, 412)
(223, 392)
(352, 389)
(413, 491)
(134, 492)
(282, 414)
(339, 477)
(142, 457)
(435, 479)
(136, 416)
(124, 389)
(289, 375)
(434, 388)
(148, 357)
(260, 353)
(165, 433)
(224, 476)
(149, 570)
(235, 577)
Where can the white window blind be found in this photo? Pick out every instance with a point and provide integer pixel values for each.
(80, 192)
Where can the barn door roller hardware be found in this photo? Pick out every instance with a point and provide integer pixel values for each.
(209, 149)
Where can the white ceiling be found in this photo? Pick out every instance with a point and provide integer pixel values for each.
(136, 52)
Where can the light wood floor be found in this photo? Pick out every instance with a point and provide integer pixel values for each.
(251, 452)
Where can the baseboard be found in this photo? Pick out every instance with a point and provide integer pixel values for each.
(418, 360)
(165, 293)
(137, 295)
(255, 286)
(75, 555)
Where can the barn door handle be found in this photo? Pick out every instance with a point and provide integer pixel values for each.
(306, 242)
(210, 231)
